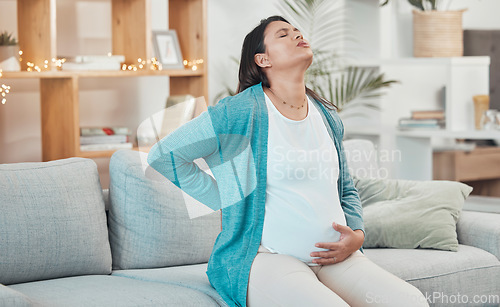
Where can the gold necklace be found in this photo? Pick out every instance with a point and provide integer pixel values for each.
(284, 102)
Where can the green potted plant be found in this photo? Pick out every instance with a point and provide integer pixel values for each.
(437, 31)
(9, 52)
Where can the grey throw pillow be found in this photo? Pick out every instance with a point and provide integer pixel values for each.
(52, 221)
(411, 214)
(149, 219)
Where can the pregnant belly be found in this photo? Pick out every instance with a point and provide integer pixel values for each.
(297, 237)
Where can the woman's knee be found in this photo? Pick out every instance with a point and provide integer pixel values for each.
(361, 282)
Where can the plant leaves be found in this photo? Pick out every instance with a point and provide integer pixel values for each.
(418, 4)
(359, 83)
(6, 39)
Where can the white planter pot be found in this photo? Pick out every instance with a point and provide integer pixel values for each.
(9, 58)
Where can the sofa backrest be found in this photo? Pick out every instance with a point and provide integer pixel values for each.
(361, 157)
(52, 221)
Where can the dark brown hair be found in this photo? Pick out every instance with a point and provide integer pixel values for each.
(250, 73)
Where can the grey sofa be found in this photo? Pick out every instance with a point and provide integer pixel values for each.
(60, 247)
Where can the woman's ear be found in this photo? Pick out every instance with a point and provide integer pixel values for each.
(262, 60)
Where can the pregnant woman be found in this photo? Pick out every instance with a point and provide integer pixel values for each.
(292, 226)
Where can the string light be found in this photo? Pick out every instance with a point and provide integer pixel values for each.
(193, 64)
(33, 67)
(4, 90)
(152, 63)
(155, 64)
(58, 63)
(47, 65)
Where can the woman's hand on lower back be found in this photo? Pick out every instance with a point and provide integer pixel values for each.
(350, 241)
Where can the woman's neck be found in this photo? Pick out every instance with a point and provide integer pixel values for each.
(291, 90)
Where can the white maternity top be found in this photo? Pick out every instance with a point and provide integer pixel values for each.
(302, 197)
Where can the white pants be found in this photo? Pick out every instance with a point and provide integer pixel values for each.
(282, 280)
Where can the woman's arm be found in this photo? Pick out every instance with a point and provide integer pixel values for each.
(351, 204)
(173, 157)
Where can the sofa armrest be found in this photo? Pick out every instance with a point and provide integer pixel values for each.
(481, 230)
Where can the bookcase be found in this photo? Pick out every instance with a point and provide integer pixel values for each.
(131, 36)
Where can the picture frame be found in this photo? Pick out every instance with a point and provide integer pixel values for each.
(167, 49)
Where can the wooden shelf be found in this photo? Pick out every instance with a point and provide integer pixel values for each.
(102, 153)
(417, 133)
(452, 134)
(100, 74)
(131, 37)
(463, 60)
(96, 154)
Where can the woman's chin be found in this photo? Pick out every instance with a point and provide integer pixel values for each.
(309, 53)
(309, 59)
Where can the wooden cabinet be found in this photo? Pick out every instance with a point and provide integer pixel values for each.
(481, 163)
(131, 36)
(480, 168)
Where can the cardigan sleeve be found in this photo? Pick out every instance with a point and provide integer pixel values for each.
(174, 155)
(351, 203)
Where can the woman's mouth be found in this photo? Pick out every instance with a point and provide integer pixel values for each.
(303, 44)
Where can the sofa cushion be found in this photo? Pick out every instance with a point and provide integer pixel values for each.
(191, 276)
(149, 222)
(12, 298)
(411, 214)
(361, 158)
(466, 273)
(52, 221)
(101, 290)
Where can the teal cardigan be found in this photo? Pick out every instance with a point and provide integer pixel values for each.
(232, 138)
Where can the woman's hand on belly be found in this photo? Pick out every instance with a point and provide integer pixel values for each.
(350, 241)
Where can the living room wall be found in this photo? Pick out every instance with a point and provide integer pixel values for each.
(84, 28)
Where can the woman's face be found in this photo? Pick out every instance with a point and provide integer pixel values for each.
(285, 47)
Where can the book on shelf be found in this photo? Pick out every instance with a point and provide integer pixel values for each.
(93, 62)
(104, 139)
(428, 114)
(430, 121)
(91, 66)
(88, 131)
(94, 58)
(410, 123)
(110, 146)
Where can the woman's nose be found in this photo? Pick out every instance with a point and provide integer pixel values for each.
(298, 36)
